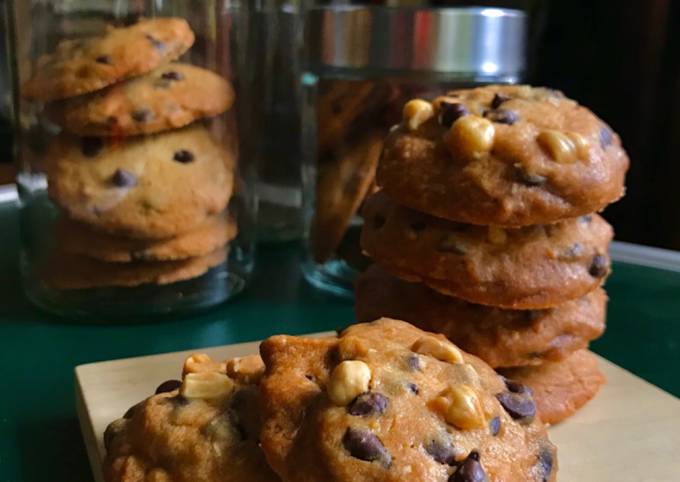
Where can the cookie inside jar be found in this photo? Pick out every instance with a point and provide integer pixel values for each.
(134, 198)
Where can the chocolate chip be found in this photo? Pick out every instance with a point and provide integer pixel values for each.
(450, 112)
(103, 59)
(183, 156)
(365, 445)
(379, 221)
(168, 386)
(470, 470)
(91, 146)
(142, 115)
(442, 452)
(413, 388)
(369, 403)
(545, 462)
(123, 178)
(516, 387)
(606, 138)
(502, 116)
(450, 244)
(495, 426)
(529, 178)
(520, 406)
(158, 45)
(172, 75)
(413, 362)
(599, 266)
(498, 99)
(130, 412)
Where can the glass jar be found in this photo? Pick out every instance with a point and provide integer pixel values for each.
(362, 65)
(134, 199)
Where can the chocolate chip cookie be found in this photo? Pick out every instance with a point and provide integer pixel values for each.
(502, 338)
(504, 156)
(203, 428)
(170, 97)
(81, 66)
(80, 239)
(386, 401)
(343, 180)
(152, 187)
(523, 268)
(561, 388)
(72, 272)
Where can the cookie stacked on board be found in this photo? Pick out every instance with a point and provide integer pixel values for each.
(382, 401)
(485, 229)
(141, 183)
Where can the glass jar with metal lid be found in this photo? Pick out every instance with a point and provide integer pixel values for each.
(134, 200)
(362, 65)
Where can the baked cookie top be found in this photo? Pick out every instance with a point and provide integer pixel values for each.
(522, 268)
(203, 428)
(149, 187)
(81, 66)
(169, 97)
(80, 239)
(502, 338)
(385, 402)
(561, 388)
(503, 155)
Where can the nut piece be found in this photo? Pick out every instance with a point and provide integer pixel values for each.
(497, 235)
(439, 349)
(417, 112)
(199, 363)
(563, 147)
(461, 407)
(470, 137)
(348, 380)
(248, 369)
(206, 385)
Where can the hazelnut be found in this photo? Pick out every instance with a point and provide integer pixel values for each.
(348, 380)
(206, 385)
(439, 349)
(563, 147)
(199, 363)
(470, 137)
(248, 369)
(416, 113)
(461, 407)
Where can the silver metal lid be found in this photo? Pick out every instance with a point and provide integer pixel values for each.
(483, 42)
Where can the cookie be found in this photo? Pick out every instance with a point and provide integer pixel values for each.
(502, 338)
(503, 156)
(388, 402)
(560, 389)
(79, 239)
(72, 272)
(343, 180)
(170, 97)
(81, 66)
(203, 428)
(151, 187)
(523, 268)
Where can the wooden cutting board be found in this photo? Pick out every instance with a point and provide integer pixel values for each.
(629, 433)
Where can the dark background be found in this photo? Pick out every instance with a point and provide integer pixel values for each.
(621, 59)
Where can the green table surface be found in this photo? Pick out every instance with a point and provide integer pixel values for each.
(39, 433)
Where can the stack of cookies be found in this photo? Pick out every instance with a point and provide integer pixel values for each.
(485, 230)
(141, 184)
(382, 401)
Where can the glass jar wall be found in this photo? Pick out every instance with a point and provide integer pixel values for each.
(363, 65)
(134, 200)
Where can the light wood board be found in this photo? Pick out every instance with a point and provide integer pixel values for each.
(629, 433)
